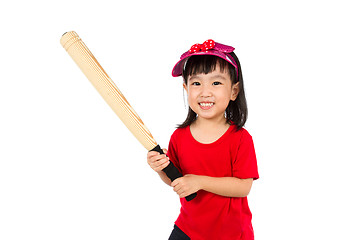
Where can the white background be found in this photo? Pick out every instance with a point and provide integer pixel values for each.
(69, 169)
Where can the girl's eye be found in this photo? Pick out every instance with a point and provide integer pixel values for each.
(196, 84)
(216, 83)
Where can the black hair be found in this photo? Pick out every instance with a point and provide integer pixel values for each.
(236, 112)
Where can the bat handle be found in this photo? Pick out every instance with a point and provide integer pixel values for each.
(172, 172)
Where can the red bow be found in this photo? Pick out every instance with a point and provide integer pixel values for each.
(207, 45)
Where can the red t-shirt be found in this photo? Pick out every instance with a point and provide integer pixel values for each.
(210, 216)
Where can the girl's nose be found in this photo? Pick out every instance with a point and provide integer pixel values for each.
(205, 91)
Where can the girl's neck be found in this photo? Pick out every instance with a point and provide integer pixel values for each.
(210, 124)
(205, 131)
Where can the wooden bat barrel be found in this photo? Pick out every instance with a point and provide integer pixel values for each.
(107, 88)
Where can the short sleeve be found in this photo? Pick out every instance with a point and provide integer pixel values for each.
(172, 151)
(245, 163)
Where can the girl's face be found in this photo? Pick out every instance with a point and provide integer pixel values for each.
(210, 94)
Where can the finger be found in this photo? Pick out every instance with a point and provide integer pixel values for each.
(184, 194)
(160, 161)
(177, 188)
(156, 158)
(158, 169)
(162, 164)
(165, 150)
(152, 157)
(175, 182)
(152, 153)
(181, 193)
(161, 167)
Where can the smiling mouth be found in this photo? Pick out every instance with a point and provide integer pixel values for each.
(206, 105)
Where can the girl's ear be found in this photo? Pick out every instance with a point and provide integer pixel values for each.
(185, 87)
(234, 91)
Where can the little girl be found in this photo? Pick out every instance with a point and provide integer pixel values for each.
(211, 148)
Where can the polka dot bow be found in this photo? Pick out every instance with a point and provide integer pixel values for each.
(207, 45)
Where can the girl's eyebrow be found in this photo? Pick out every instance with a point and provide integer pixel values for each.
(194, 77)
(217, 76)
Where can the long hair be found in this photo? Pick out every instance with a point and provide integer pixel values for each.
(236, 112)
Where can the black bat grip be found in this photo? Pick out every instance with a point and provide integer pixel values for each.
(172, 172)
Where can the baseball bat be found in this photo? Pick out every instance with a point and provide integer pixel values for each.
(88, 64)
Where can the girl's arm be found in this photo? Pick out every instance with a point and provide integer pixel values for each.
(227, 186)
(224, 186)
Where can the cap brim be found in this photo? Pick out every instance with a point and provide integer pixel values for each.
(178, 68)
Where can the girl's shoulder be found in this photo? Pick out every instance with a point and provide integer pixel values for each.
(241, 134)
(179, 132)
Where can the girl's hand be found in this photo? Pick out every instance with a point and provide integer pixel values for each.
(158, 161)
(187, 185)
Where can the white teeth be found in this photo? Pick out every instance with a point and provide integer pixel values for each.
(206, 104)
